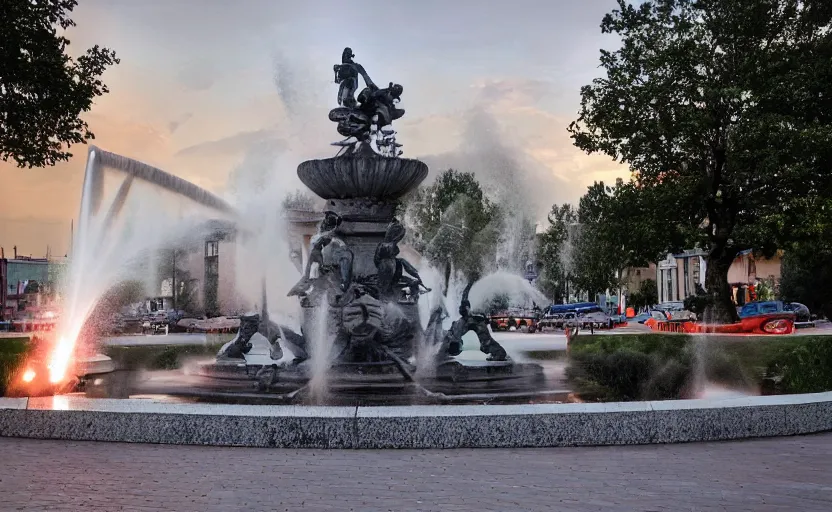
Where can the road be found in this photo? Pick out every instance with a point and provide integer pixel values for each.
(783, 474)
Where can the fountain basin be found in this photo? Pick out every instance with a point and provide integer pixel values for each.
(381, 178)
(451, 426)
(369, 383)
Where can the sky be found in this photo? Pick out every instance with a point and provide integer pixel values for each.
(217, 91)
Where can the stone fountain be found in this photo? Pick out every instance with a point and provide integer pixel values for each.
(360, 319)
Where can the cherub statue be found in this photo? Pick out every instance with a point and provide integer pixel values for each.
(326, 252)
(391, 268)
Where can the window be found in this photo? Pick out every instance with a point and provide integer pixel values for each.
(687, 276)
(212, 267)
(212, 249)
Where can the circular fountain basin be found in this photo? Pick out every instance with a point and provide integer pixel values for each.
(381, 178)
(153, 420)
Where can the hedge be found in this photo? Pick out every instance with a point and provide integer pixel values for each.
(664, 366)
(13, 353)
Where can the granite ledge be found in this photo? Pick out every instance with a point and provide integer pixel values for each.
(460, 426)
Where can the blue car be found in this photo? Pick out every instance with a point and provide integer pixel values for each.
(800, 311)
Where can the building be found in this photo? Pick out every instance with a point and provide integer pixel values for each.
(747, 271)
(28, 286)
(201, 274)
(680, 275)
(633, 277)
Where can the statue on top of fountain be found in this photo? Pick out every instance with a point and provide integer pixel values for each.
(366, 122)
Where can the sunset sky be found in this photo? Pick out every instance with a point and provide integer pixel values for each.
(212, 90)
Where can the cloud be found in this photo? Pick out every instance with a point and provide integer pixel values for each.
(237, 143)
(197, 77)
(176, 123)
(512, 91)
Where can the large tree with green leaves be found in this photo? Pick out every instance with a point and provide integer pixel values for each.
(614, 228)
(43, 91)
(722, 111)
(555, 251)
(453, 223)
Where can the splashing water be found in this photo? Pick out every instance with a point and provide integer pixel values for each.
(262, 249)
(710, 391)
(128, 209)
(320, 345)
(519, 291)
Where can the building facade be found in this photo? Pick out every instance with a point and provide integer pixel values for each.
(679, 276)
(747, 271)
(28, 286)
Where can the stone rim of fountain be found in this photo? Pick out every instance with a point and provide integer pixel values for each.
(449, 426)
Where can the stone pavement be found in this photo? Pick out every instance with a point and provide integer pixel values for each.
(788, 474)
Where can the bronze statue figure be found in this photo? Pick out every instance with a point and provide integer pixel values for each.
(241, 344)
(346, 74)
(367, 121)
(327, 252)
(473, 322)
(391, 268)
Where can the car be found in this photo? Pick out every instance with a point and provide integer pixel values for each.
(801, 312)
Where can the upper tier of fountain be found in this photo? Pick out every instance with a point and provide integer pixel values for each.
(365, 176)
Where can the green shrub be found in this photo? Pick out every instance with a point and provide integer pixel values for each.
(803, 367)
(663, 366)
(13, 353)
(611, 376)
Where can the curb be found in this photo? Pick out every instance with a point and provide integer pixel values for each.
(422, 427)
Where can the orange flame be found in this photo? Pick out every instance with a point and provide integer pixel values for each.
(29, 375)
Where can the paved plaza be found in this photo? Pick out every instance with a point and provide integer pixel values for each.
(783, 474)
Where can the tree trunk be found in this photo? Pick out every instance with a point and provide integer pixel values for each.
(720, 307)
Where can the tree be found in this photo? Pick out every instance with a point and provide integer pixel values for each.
(613, 233)
(554, 251)
(183, 286)
(299, 200)
(806, 276)
(647, 295)
(453, 224)
(722, 111)
(599, 256)
(43, 91)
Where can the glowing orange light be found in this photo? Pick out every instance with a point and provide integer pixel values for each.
(59, 362)
(29, 375)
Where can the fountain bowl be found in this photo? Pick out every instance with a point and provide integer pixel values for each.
(349, 177)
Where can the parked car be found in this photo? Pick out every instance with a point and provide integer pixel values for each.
(801, 312)
(765, 307)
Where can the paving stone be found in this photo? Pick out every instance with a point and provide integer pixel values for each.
(773, 474)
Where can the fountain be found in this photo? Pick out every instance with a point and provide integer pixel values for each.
(361, 340)
(361, 334)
